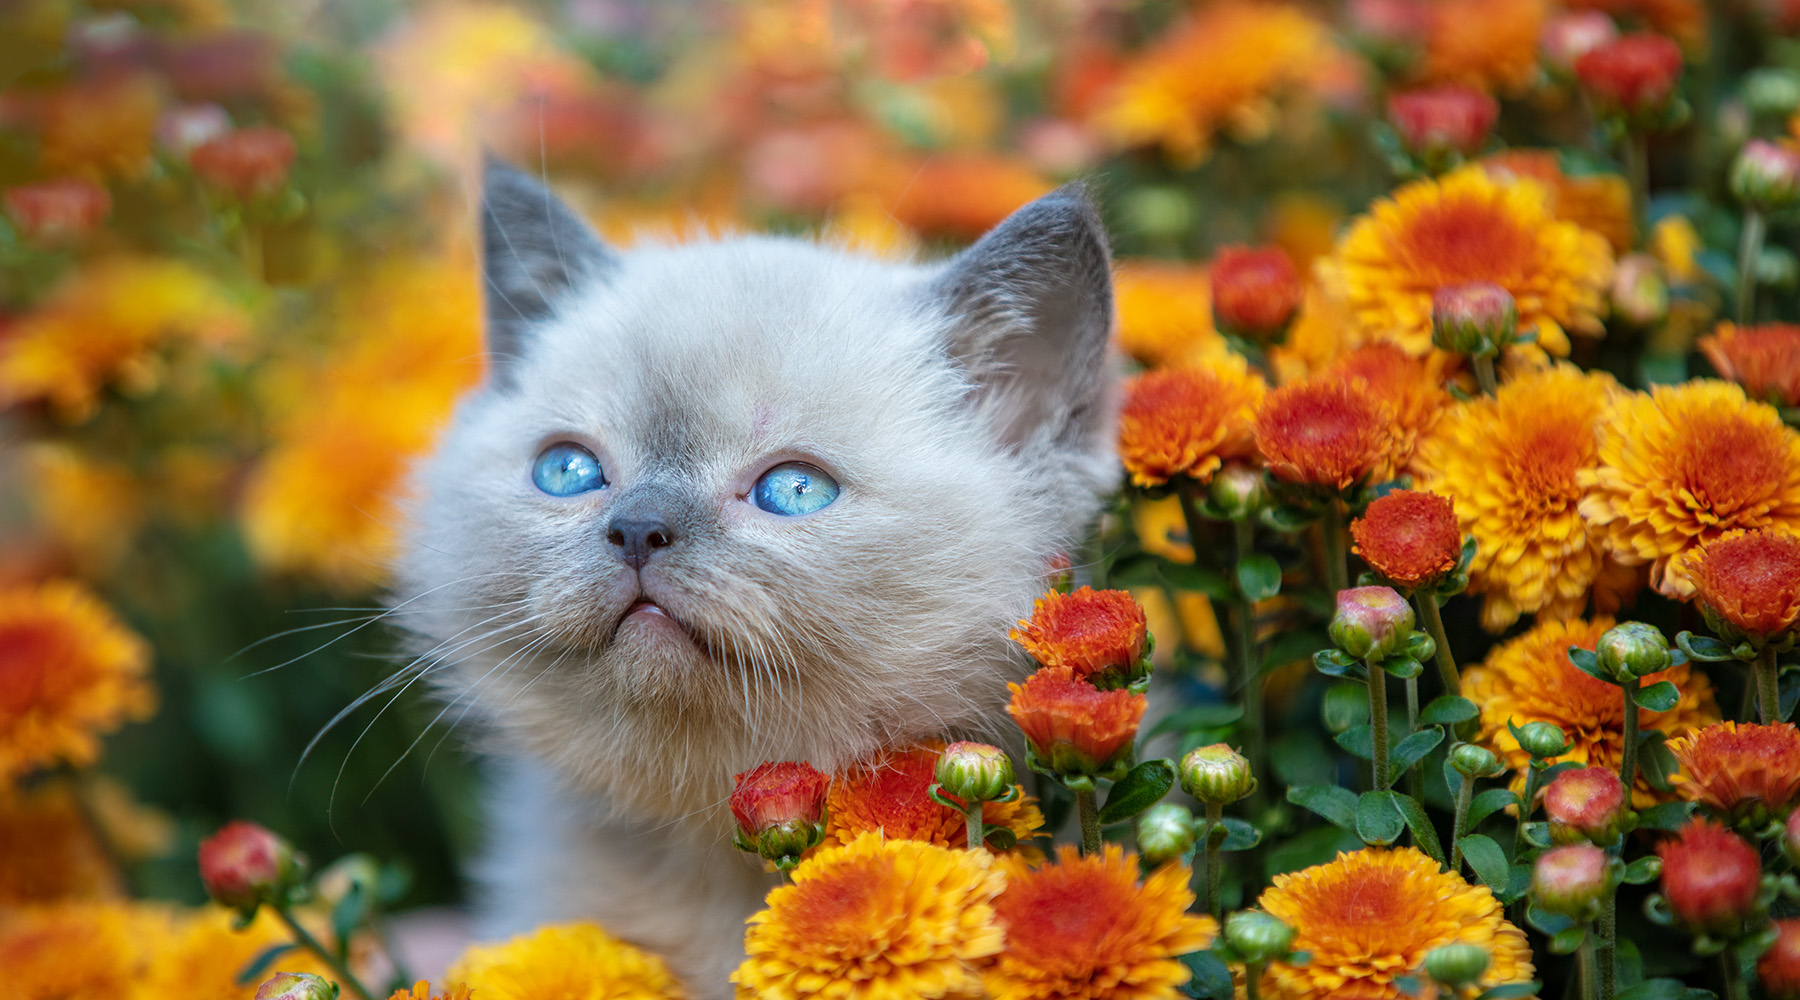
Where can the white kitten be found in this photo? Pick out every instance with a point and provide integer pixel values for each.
(736, 501)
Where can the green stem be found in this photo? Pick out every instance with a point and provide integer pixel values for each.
(1768, 687)
(1434, 626)
(1730, 968)
(1215, 815)
(1253, 980)
(1525, 804)
(972, 823)
(1415, 775)
(1378, 722)
(1484, 373)
(1337, 567)
(304, 938)
(1628, 760)
(1464, 796)
(1248, 680)
(1606, 951)
(1590, 981)
(1637, 171)
(1089, 812)
(1750, 246)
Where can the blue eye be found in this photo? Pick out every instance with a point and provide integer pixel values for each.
(564, 469)
(793, 488)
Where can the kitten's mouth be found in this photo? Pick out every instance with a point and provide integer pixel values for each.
(645, 613)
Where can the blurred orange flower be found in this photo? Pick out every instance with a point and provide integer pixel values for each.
(963, 195)
(1165, 312)
(886, 793)
(1731, 765)
(1488, 44)
(1597, 202)
(1412, 386)
(1764, 359)
(49, 851)
(103, 128)
(52, 210)
(1188, 421)
(576, 960)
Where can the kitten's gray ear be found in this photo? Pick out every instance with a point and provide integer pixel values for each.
(533, 250)
(1031, 312)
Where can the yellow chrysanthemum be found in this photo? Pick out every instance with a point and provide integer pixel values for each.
(49, 851)
(104, 327)
(875, 919)
(91, 507)
(69, 671)
(1684, 464)
(1221, 69)
(1530, 679)
(1370, 916)
(1510, 462)
(1600, 202)
(1165, 312)
(1464, 227)
(78, 950)
(569, 961)
(201, 955)
(1084, 928)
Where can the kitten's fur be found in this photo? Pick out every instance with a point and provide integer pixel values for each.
(965, 408)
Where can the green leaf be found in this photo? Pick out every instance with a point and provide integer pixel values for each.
(1704, 648)
(1448, 710)
(1239, 835)
(1287, 520)
(1337, 805)
(1204, 716)
(1644, 870)
(254, 969)
(1424, 834)
(1212, 979)
(1512, 991)
(1259, 577)
(1487, 860)
(1413, 749)
(1663, 989)
(1378, 819)
(347, 915)
(1487, 803)
(1586, 662)
(1140, 789)
(1191, 576)
(1656, 762)
(1517, 887)
(1337, 663)
(1659, 697)
(1403, 667)
(1358, 741)
(1549, 923)
(1565, 941)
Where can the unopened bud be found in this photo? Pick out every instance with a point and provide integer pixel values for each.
(1779, 967)
(1258, 937)
(1633, 650)
(248, 163)
(1474, 761)
(1772, 92)
(1475, 318)
(780, 810)
(1166, 832)
(1255, 291)
(1371, 622)
(1441, 120)
(1640, 295)
(56, 210)
(1634, 75)
(1766, 175)
(1457, 965)
(1572, 880)
(297, 986)
(344, 874)
(1216, 774)
(1586, 804)
(1711, 878)
(1345, 705)
(1570, 35)
(1790, 839)
(1543, 740)
(1238, 491)
(244, 865)
(975, 772)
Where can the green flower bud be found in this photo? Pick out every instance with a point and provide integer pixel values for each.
(975, 772)
(1257, 936)
(1543, 739)
(296, 986)
(1345, 705)
(1772, 92)
(1371, 622)
(1766, 175)
(1166, 832)
(1474, 761)
(1640, 295)
(1572, 880)
(1216, 774)
(1477, 318)
(1633, 650)
(1457, 965)
(1238, 491)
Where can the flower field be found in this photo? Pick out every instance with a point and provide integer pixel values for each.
(1437, 642)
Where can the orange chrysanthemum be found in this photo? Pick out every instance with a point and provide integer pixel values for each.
(1730, 766)
(88, 949)
(886, 793)
(1683, 465)
(1530, 679)
(1326, 432)
(1488, 44)
(1370, 916)
(577, 961)
(1465, 227)
(1414, 387)
(878, 919)
(1188, 421)
(1222, 68)
(1075, 728)
(1597, 202)
(1750, 578)
(1409, 537)
(964, 195)
(1764, 359)
(49, 851)
(69, 671)
(421, 990)
(1513, 462)
(1165, 313)
(1085, 929)
(1095, 633)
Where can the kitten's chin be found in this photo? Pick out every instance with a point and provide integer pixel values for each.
(658, 656)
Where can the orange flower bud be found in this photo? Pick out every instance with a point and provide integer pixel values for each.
(56, 209)
(1740, 770)
(1748, 583)
(1710, 877)
(248, 163)
(1764, 359)
(1075, 728)
(1790, 838)
(1099, 634)
(1587, 804)
(1633, 75)
(1441, 120)
(1409, 537)
(780, 809)
(1255, 291)
(244, 865)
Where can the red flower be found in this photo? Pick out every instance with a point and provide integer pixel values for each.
(58, 208)
(1779, 967)
(771, 793)
(1710, 876)
(1409, 536)
(1585, 804)
(1751, 579)
(1255, 291)
(1098, 634)
(1443, 119)
(1325, 433)
(1074, 727)
(244, 864)
(1633, 75)
(247, 163)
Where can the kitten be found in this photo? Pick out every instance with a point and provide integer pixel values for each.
(734, 501)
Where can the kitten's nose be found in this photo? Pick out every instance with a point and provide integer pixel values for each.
(639, 538)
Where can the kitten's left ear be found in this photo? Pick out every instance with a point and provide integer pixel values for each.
(1031, 311)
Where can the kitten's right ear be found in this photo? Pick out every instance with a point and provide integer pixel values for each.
(533, 250)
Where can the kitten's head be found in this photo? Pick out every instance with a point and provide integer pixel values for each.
(755, 499)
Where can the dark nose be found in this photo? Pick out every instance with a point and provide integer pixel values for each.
(639, 538)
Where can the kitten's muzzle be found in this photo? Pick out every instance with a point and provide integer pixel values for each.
(637, 539)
